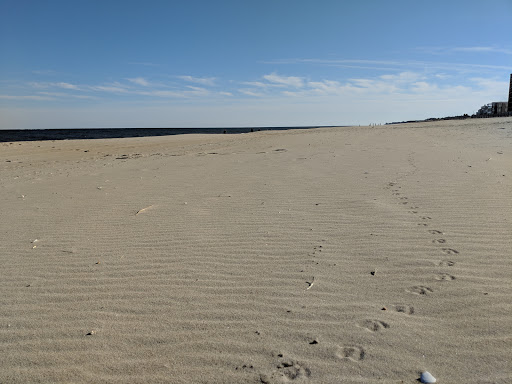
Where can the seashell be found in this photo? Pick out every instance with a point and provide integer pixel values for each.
(426, 377)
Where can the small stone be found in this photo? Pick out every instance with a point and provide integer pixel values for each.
(91, 333)
(426, 377)
(383, 309)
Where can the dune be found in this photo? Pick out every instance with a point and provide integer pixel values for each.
(329, 255)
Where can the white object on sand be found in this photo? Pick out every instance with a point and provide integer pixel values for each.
(426, 377)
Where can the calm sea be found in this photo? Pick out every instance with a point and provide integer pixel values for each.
(109, 133)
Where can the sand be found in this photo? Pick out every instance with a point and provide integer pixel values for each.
(332, 255)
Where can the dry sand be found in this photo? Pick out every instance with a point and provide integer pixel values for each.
(334, 255)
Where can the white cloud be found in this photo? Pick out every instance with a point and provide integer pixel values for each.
(109, 88)
(484, 49)
(403, 77)
(210, 81)
(25, 97)
(139, 81)
(197, 91)
(160, 93)
(54, 85)
(274, 99)
(330, 87)
(64, 95)
(394, 65)
(261, 84)
(66, 85)
(288, 81)
(250, 92)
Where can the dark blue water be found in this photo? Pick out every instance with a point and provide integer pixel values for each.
(8, 135)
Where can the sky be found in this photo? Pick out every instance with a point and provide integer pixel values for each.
(233, 63)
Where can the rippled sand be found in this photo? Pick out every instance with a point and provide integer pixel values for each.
(333, 255)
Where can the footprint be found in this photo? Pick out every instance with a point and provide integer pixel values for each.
(404, 308)
(351, 352)
(450, 251)
(423, 224)
(445, 277)
(374, 325)
(425, 218)
(287, 370)
(435, 232)
(439, 241)
(446, 263)
(420, 290)
(404, 198)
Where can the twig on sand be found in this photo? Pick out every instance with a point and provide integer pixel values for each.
(143, 209)
(310, 284)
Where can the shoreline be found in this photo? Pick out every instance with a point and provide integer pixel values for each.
(13, 135)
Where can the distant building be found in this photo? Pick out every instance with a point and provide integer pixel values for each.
(498, 108)
(510, 96)
(485, 110)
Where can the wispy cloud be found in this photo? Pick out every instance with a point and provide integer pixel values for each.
(110, 88)
(483, 50)
(391, 64)
(443, 50)
(54, 85)
(66, 95)
(25, 97)
(139, 81)
(289, 81)
(66, 85)
(251, 92)
(210, 81)
(260, 84)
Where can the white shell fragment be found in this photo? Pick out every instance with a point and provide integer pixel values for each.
(426, 377)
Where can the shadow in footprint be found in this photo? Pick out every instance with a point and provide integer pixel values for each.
(404, 308)
(445, 277)
(287, 370)
(351, 352)
(450, 251)
(420, 290)
(374, 325)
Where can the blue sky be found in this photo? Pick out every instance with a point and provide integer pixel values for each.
(196, 63)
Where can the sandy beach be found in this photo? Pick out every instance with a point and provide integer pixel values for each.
(330, 255)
